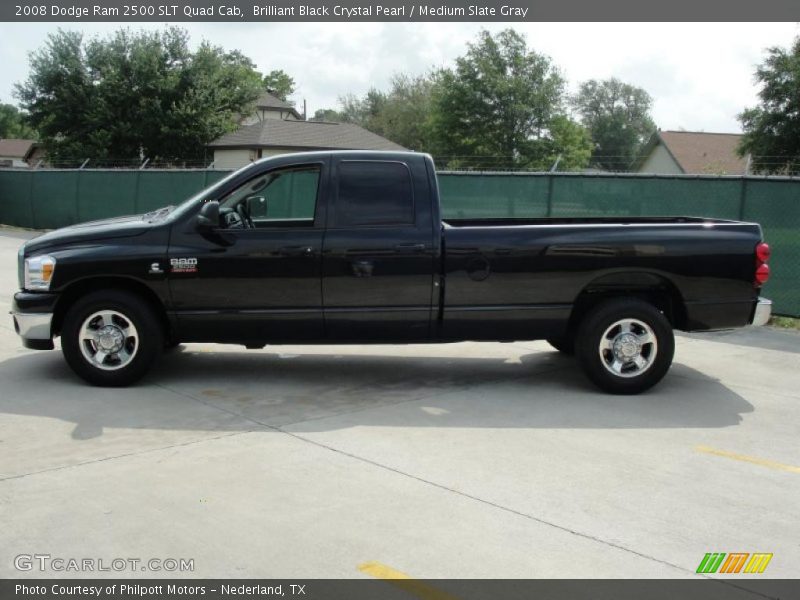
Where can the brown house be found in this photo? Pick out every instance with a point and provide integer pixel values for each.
(692, 152)
(17, 152)
(275, 127)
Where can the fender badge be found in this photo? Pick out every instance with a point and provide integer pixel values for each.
(183, 265)
(155, 269)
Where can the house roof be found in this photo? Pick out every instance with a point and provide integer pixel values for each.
(16, 148)
(701, 152)
(320, 135)
(267, 101)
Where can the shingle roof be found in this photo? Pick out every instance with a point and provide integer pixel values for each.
(16, 148)
(700, 152)
(267, 100)
(320, 135)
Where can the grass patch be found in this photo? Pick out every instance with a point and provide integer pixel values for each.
(785, 323)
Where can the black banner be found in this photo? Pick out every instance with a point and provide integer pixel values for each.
(745, 588)
(395, 10)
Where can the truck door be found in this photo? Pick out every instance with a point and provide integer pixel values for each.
(257, 277)
(378, 255)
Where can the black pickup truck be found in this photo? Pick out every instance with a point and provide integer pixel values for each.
(350, 247)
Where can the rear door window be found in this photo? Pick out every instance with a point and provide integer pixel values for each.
(374, 193)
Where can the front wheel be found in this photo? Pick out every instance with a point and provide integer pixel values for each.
(111, 338)
(565, 345)
(625, 346)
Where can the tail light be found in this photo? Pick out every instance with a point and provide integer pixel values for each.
(762, 268)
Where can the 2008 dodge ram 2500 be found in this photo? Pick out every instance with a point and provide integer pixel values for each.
(350, 247)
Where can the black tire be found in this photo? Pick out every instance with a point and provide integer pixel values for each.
(654, 358)
(171, 346)
(126, 309)
(565, 345)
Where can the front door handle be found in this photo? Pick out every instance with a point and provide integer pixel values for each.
(296, 251)
(410, 248)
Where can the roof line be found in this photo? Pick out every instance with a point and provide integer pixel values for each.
(672, 156)
(701, 132)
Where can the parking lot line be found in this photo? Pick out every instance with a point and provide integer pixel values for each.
(415, 587)
(763, 462)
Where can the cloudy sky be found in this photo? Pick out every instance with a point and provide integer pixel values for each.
(700, 74)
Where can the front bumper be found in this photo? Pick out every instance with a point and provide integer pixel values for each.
(33, 319)
(35, 330)
(762, 312)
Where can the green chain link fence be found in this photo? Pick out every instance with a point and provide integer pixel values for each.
(48, 199)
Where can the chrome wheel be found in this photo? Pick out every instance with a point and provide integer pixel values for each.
(108, 340)
(628, 348)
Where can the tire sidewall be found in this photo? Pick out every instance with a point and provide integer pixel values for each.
(565, 345)
(151, 339)
(595, 325)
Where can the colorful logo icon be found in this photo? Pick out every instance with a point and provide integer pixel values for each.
(736, 562)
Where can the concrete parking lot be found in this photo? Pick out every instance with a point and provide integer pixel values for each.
(460, 461)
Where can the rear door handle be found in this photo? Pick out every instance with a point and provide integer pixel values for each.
(410, 248)
(362, 268)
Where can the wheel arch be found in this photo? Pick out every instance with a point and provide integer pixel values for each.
(82, 287)
(654, 288)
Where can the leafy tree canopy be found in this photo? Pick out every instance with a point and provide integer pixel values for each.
(502, 106)
(772, 129)
(618, 116)
(326, 114)
(401, 114)
(498, 103)
(13, 123)
(279, 84)
(134, 94)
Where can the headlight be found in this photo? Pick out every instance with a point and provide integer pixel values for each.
(39, 272)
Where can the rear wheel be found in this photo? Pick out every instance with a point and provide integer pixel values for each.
(111, 338)
(625, 346)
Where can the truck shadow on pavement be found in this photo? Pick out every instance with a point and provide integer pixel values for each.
(240, 391)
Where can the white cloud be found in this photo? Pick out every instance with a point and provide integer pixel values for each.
(700, 74)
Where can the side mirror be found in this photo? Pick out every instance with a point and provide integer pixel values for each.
(208, 218)
(256, 206)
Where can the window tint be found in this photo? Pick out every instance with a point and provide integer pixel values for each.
(285, 195)
(289, 195)
(374, 193)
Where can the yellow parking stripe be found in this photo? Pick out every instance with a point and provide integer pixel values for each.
(415, 587)
(762, 462)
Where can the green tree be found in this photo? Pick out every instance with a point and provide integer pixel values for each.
(568, 145)
(134, 94)
(279, 84)
(496, 106)
(362, 111)
(13, 123)
(772, 129)
(618, 116)
(404, 113)
(326, 114)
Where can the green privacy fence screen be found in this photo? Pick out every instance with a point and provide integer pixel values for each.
(773, 202)
(54, 198)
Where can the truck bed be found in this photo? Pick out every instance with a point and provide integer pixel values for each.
(519, 275)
